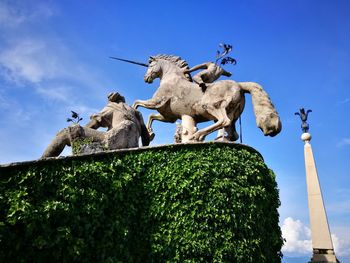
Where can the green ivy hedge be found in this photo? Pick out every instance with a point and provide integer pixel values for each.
(183, 203)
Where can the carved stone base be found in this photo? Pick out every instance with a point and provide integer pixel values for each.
(323, 256)
(94, 147)
(188, 128)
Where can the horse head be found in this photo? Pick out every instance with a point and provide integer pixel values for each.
(153, 71)
(160, 65)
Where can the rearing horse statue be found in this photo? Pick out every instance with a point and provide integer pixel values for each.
(223, 101)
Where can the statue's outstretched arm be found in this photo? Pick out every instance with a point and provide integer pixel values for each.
(200, 66)
(97, 120)
(93, 124)
(226, 73)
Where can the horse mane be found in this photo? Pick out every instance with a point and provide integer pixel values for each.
(178, 61)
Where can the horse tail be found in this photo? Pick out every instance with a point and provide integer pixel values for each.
(267, 118)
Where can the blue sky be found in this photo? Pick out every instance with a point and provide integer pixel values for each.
(54, 58)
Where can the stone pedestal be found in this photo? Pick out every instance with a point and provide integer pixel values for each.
(188, 128)
(322, 245)
(90, 148)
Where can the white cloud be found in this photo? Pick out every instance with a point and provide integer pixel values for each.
(10, 16)
(41, 79)
(15, 13)
(12, 112)
(55, 92)
(49, 67)
(298, 239)
(347, 100)
(343, 142)
(28, 60)
(32, 56)
(54, 76)
(341, 246)
(342, 207)
(24, 55)
(4, 102)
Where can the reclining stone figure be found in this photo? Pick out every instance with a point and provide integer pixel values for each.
(124, 128)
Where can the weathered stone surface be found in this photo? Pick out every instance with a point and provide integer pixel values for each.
(221, 101)
(90, 148)
(209, 74)
(124, 128)
(322, 245)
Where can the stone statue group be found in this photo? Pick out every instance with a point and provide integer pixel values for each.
(180, 96)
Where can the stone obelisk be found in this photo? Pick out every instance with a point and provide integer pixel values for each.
(322, 245)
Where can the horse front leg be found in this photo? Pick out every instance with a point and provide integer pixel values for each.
(159, 117)
(149, 104)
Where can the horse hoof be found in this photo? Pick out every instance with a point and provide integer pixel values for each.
(197, 137)
(222, 139)
(151, 136)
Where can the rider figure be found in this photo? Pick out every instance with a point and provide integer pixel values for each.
(210, 73)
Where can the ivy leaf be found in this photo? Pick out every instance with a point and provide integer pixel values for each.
(194, 203)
